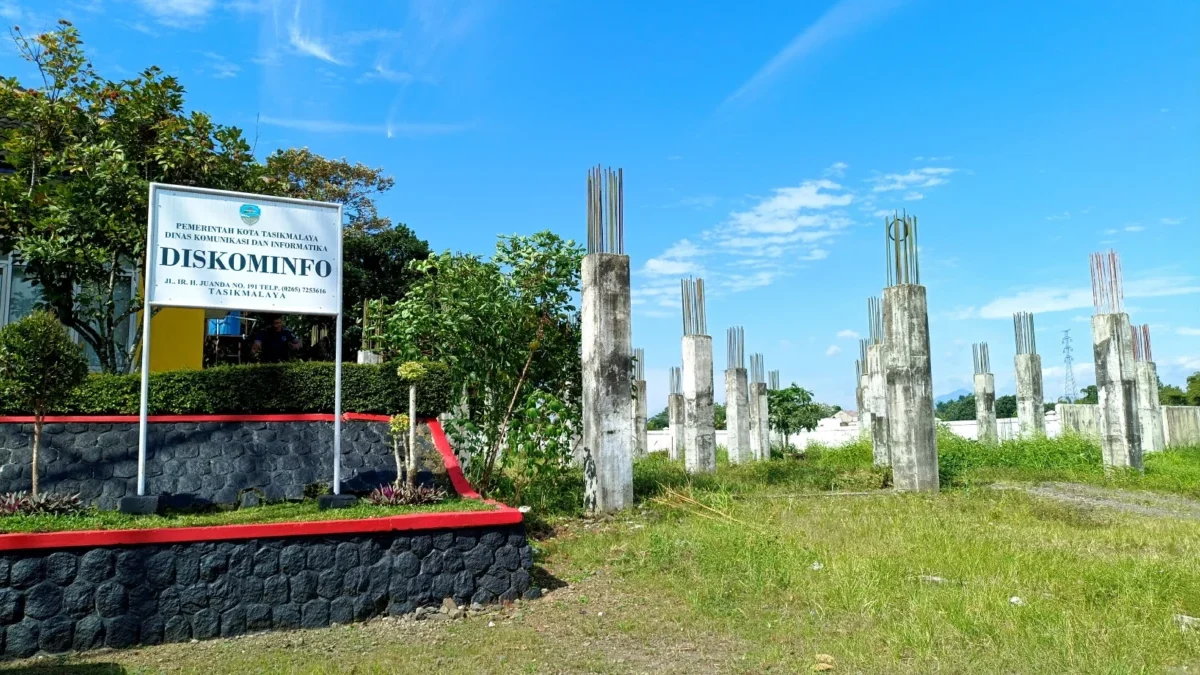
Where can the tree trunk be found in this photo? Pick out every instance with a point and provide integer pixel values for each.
(38, 420)
(412, 435)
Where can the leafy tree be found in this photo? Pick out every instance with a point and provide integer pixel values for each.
(961, 408)
(39, 368)
(660, 421)
(1193, 389)
(792, 409)
(1090, 395)
(718, 416)
(1172, 395)
(302, 174)
(509, 332)
(1006, 406)
(83, 154)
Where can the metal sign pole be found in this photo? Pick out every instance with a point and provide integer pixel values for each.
(337, 372)
(147, 310)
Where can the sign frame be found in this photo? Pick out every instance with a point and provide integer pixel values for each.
(152, 228)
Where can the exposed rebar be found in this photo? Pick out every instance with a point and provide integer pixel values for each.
(735, 347)
(983, 362)
(676, 384)
(1108, 293)
(692, 292)
(900, 242)
(862, 352)
(858, 371)
(1023, 330)
(773, 380)
(758, 374)
(1141, 342)
(875, 320)
(639, 367)
(606, 211)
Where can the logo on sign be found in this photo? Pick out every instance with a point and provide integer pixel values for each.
(249, 213)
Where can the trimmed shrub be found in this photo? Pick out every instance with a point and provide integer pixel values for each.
(20, 503)
(303, 387)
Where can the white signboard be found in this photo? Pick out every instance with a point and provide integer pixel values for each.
(227, 250)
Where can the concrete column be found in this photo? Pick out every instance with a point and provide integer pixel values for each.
(1116, 383)
(876, 400)
(752, 406)
(641, 445)
(607, 396)
(1031, 405)
(866, 417)
(985, 408)
(758, 392)
(1150, 416)
(699, 436)
(737, 415)
(912, 437)
(675, 420)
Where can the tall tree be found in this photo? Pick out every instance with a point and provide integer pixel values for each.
(793, 409)
(83, 151)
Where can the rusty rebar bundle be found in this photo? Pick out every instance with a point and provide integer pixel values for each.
(1023, 330)
(1141, 342)
(735, 347)
(676, 384)
(694, 321)
(983, 362)
(874, 321)
(639, 367)
(1108, 292)
(900, 235)
(606, 211)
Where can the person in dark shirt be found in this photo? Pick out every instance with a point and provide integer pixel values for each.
(275, 343)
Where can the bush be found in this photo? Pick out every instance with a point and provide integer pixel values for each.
(305, 387)
(403, 494)
(20, 503)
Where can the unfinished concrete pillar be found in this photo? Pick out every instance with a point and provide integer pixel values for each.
(699, 434)
(675, 414)
(607, 354)
(866, 417)
(985, 395)
(737, 397)
(641, 442)
(912, 436)
(1150, 416)
(875, 392)
(1031, 404)
(760, 426)
(1116, 372)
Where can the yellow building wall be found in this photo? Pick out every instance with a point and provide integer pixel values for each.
(177, 339)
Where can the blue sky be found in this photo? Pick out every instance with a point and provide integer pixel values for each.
(761, 142)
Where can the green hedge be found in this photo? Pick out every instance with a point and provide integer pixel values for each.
(305, 387)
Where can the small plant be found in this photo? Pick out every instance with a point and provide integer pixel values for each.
(39, 368)
(401, 494)
(21, 503)
(315, 490)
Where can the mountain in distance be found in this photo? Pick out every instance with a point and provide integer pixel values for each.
(954, 395)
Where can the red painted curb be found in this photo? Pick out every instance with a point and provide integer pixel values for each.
(160, 419)
(502, 515)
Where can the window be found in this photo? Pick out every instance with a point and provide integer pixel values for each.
(24, 296)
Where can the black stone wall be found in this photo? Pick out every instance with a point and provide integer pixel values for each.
(77, 599)
(198, 463)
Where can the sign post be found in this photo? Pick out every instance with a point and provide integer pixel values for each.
(214, 249)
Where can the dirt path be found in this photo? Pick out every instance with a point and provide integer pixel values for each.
(1128, 501)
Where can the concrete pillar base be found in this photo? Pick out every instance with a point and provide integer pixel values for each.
(985, 408)
(912, 436)
(675, 421)
(1116, 384)
(1031, 404)
(699, 436)
(737, 416)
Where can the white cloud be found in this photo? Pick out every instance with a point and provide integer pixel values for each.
(842, 20)
(816, 254)
(913, 196)
(683, 249)
(390, 130)
(1065, 215)
(386, 74)
(672, 268)
(836, 170)
(1190, 332)
(1059, 299)
(926, 177)
(178, 13)
(1134, 228)
(306, 44)
(698, 202)
(1171, 221)
(1110, 231)
(220, 67)
(848, 334)
(1188, 364)
(833, 350)
(782, 213)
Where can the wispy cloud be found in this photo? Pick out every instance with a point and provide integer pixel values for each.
(925, 177)
(220, 67)
(842, 20)
(1171, 221)
(833, 350)
(388, 129)
(178, 13)
(1134, 228)
(1060, 299)
(304, 43)
(381, 71)
(848, 334)
(1190, 332)
(1065, 215)
(836, 170)
(698, 202)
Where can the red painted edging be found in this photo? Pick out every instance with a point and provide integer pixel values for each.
(502, 515)
(161, 419)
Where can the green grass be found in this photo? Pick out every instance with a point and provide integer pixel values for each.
(271, 513)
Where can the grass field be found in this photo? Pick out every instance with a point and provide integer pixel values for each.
(761, 569)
